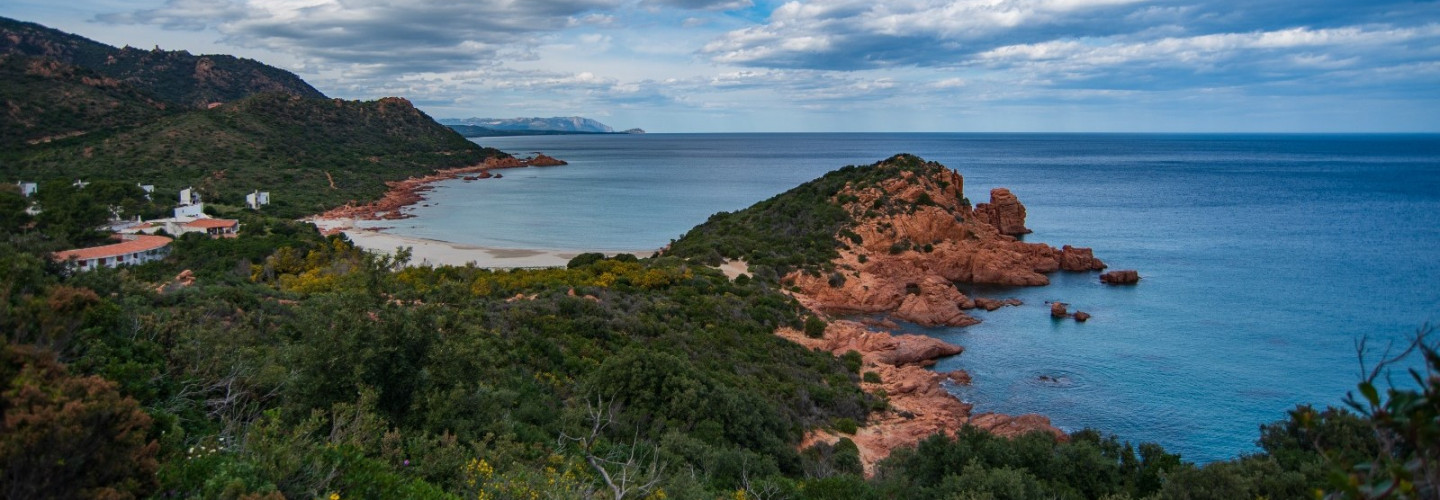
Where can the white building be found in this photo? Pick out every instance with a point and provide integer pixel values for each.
(27, 189)
(148, 189)
(257, 199)
(131, 250)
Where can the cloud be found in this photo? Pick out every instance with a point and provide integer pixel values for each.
(1254, 59)
(700, 4)
(379, 38)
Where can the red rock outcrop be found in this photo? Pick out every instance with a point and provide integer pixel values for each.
(1057, 310)
(920, 406)
(1081, 316)
(1121, 277)
(1004, 212)
(915, 233)
(540, 160)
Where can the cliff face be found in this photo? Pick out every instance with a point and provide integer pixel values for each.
(912, 236)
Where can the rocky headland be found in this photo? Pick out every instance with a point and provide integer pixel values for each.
(900, 235)
(915, 235)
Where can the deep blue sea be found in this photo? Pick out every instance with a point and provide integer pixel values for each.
(1264, 257)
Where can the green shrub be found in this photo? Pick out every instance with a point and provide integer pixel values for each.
(846, 425)
(815, 327)
(871, 377)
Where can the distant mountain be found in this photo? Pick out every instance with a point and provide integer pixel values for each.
(572, 124)
(176, 77)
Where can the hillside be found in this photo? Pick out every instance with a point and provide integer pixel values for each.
(44, 99)
(310, 154)
(176, 77)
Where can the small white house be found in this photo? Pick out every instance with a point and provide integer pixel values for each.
(27, 189)
(257, 199)
(148, 189)
(131, 250)
(188, 196)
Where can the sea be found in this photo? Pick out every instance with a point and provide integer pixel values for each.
(1265, 259)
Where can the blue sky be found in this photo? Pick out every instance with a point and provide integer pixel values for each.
(832, 65)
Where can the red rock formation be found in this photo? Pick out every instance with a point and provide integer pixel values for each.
(1121, 277)
(540, 160)
(909, 251)
(1057, 310)
(919, 404)
(1081, 316)
(993, 304)
(936, 303)
(1004, 212)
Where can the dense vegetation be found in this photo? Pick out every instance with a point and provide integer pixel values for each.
(46, 100)
(796, 229)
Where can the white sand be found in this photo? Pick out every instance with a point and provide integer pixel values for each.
(437, 253)
(734, 268)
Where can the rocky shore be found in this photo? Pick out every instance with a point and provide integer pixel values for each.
(411, 191)
(920, 406)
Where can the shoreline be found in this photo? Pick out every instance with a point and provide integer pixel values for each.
(424, 251)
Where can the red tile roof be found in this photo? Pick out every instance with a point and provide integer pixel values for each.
(136, 243)
(212, 223)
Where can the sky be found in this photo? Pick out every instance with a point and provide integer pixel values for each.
(831, 65)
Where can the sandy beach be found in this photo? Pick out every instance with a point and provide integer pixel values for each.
(443, 253)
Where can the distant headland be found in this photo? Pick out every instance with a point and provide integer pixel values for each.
(559, 125)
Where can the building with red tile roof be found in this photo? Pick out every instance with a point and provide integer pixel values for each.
(131, 250)
(216, 228)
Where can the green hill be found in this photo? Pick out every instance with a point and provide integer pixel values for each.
(78, 109)
(310, 154)
(44, 99)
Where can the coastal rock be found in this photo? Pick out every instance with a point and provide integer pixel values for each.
(936, 303)
(1081, 316)
(993, 304)
(508, 162)
(540, 160)
(919, 404)
(1121, 277)
(1004, 211)
(1079, 259)
(1057, 310)
(1013, 426)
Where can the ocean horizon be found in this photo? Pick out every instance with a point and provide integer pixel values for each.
(1264, 257)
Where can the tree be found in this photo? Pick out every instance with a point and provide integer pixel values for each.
(1406, 422)
(67, 436)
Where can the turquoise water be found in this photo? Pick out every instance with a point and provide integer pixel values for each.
(1264, 256)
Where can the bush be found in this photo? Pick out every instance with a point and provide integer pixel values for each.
(871, 378)
(852, 360)
(585, 259)
(815, 327)
(846, 425)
